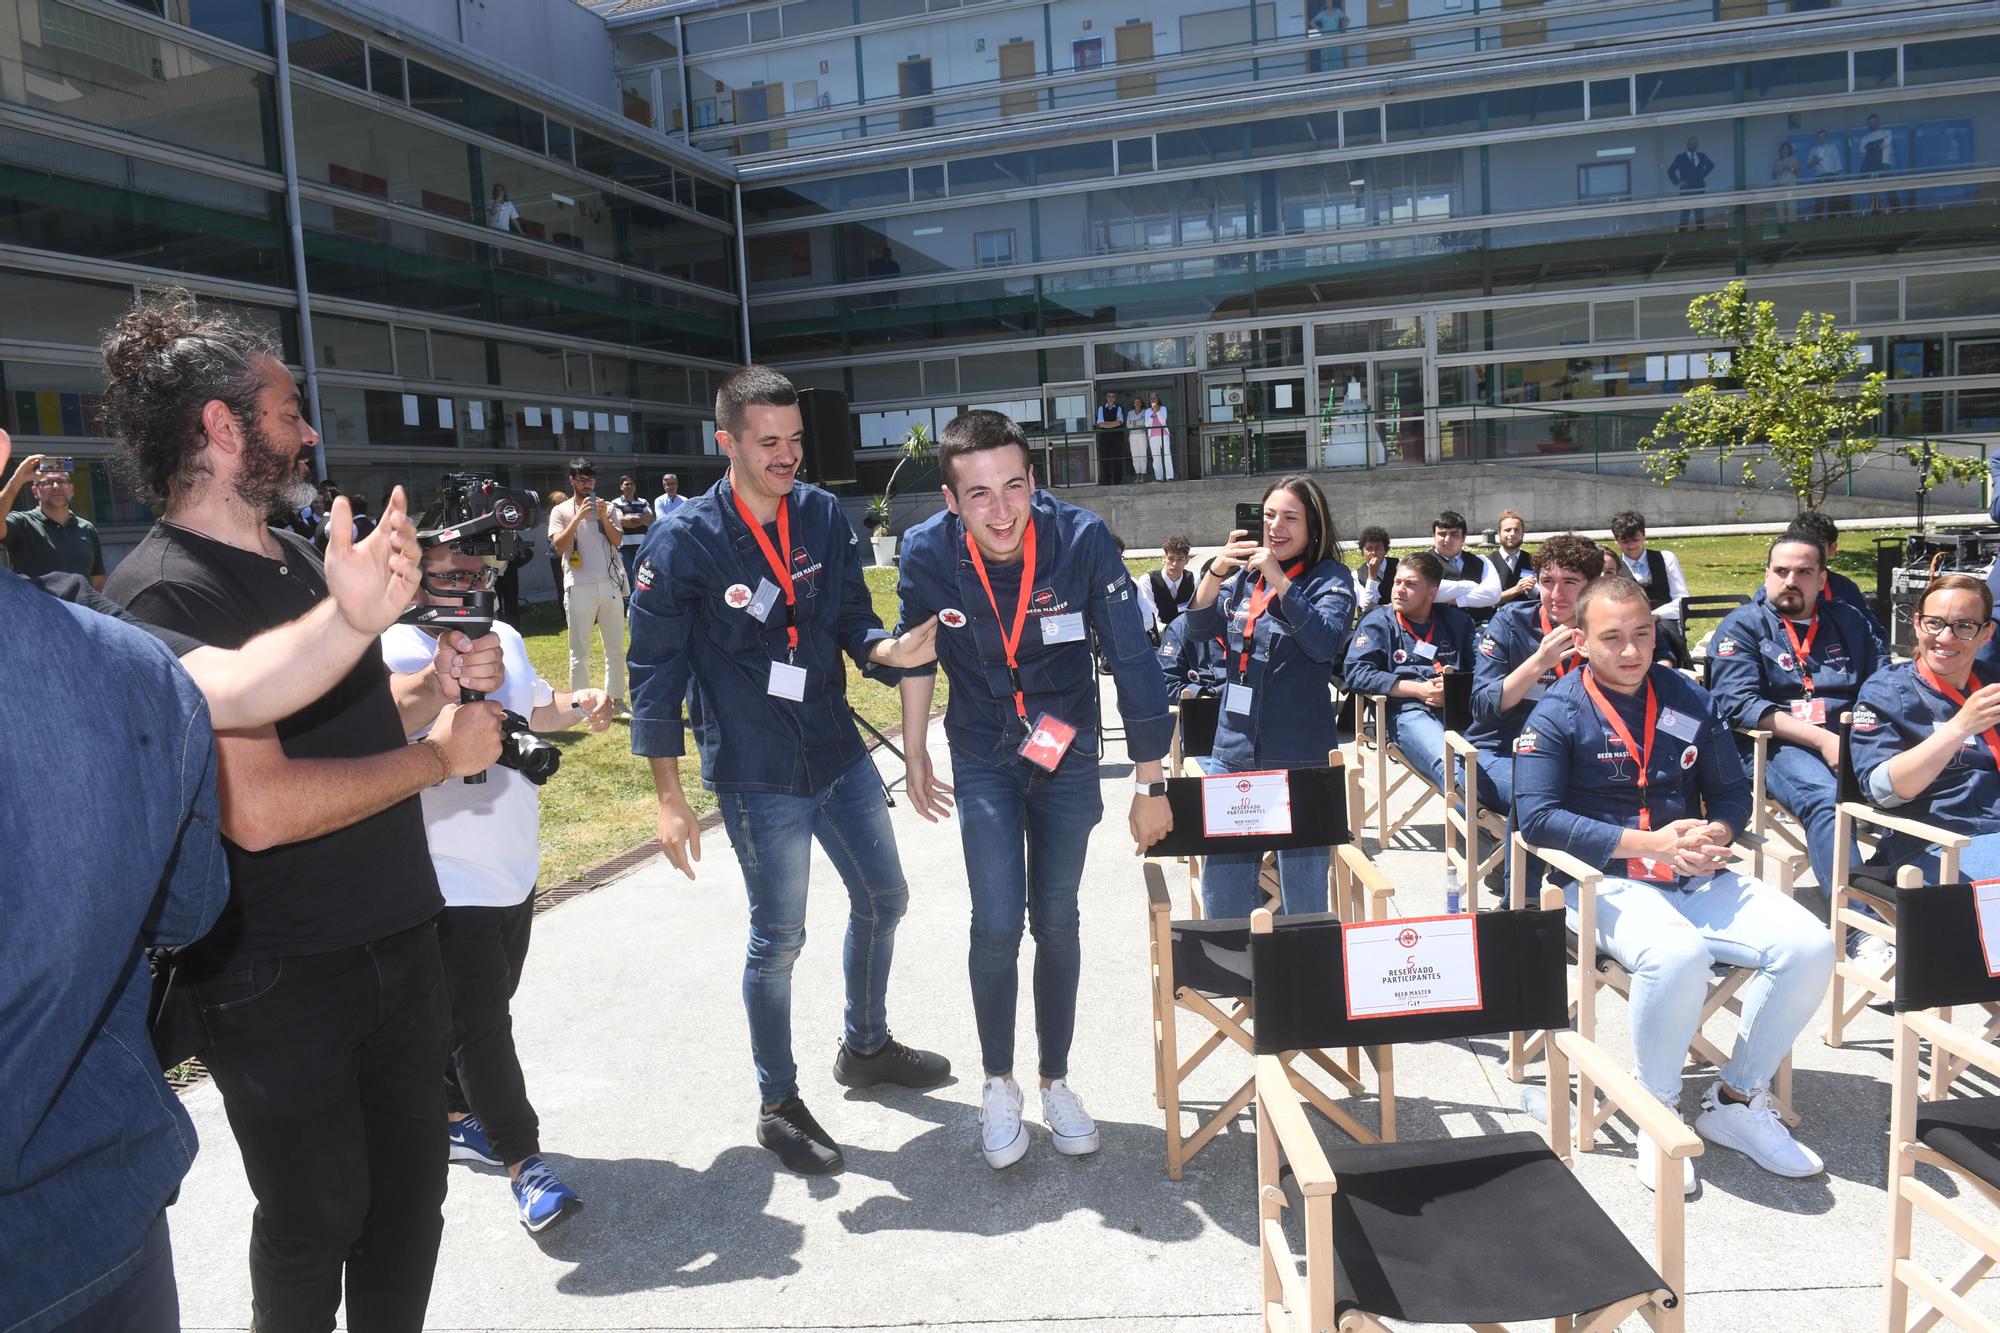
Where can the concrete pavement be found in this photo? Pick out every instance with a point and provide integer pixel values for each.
(632, 1034)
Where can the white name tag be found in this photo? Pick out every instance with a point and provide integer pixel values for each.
(1679, 725)
(1422, 651)
(1419, 965)
(1986, 905)
(1244, 805)
(1236, 698)
(1063, 629)
(787, 682)
(1810, 710)
(763, 600)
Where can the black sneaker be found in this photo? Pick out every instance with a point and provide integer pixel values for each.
(793, 1134)
(894, 1063)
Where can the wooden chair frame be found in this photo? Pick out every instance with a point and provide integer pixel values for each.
(1784, 843)
(1357, 890)
(1944, 1298)
(1595, 972)
(1371, 786)
(1292, 1304)
(1465, 819)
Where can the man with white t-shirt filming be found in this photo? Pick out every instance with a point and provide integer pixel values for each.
(485, 843)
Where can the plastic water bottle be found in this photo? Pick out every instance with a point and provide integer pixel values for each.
(1453, 898)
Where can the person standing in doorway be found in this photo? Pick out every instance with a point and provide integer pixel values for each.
(1110, 427)
(584, 532)
(1159, 440)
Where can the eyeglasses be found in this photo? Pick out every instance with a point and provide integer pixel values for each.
(460, 580)
(1967, 630)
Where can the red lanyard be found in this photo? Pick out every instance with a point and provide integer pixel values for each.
(1991, 735)
(1437, 667)
(1011, 641)
(782, 568)
(1564, 667)
(1260, 597)
(1799, 650)
(1624, 735)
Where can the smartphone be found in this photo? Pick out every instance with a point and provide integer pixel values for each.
(1250, 518)
(56, 465)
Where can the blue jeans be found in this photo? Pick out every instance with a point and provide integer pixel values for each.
(773, 834)
(1668, 940)
(1419, 734)
(1025, 832)
(1800, 781)
(1229, 880)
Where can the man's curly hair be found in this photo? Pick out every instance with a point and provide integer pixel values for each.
(1579, 555)
(165, 360)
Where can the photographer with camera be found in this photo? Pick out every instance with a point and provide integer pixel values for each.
(584, 533)
(50, 538)
(485, 842)
(320, 990)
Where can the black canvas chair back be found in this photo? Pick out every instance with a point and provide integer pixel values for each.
(1848, 785)
(1198, 719)
(1458, 701)
(1300, 985)
(1319, 816)
(1939, 959)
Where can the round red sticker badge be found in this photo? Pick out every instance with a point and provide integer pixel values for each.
(737, 596)
(952, 617)
(1688, 756)
(1243, 784)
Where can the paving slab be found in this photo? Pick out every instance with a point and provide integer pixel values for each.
(632, 1034)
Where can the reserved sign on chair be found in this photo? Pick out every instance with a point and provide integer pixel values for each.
(1416, 965)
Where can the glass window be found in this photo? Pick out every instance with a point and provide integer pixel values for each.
(816, 16)
(52, 400)
(1516, 108)
(871, 189)
(353, 344)
(992, 371)
(244, 22)
(927, 182)
(562, 141)
(1941, 62)
(357, 147)
(526, 367)
(1945, 295)
(1254, 348)
(1878, 302)
(1795, 76)
(1541, 326)
(1145, 354)
(1874, 69)
(84, 66)
(1276, 138)
(875, 11)
(323, 50)
(717, 34)
(985, 175)
(1610, 97)
(474, 107)
(764, 25)
(1614, 320)
(1361, 126)
(888, 381)
(385, 74)
(1194, 148)
(1674, 89)
(1073, 162)
(659, 382)
(413, 353)
(1134, 155)
(993, 249)
(459, 358)
(635, 98)
(1434, 116)
(36, 308)
(1062, 364)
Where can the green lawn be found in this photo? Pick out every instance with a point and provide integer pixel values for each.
(602, 801)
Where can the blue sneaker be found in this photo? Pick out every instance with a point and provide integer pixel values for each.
(469, 1143)
(543, 1200)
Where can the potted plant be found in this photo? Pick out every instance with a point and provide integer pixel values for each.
(916, 448)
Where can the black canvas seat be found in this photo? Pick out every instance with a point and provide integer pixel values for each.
(1967, 1130)
(1524, 1237)
(1213, 957)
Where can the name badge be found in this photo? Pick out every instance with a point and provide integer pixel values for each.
(762, 601)
(1810, 710)
(1048, 741)
(1679, 725)
(1418, 965)
(787, 682)
(1246, 805)
(1063, 629)
(1986, 906)
(1424, 652)
(1236, 698)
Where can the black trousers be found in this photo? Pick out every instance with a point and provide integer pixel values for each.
(148, 1301)
(328, 1066)
(483, 949)
(1112, 458)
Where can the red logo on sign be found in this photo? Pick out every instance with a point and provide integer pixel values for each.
(1044, 596)
(1407, 938)
(1243, 785)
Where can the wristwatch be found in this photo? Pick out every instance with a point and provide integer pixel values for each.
(1149, 788)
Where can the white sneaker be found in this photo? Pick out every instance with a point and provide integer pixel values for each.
(1002, 1136)
(1648, 1163)
(1070, 1126)
(1754, 1129)
(1876, 955)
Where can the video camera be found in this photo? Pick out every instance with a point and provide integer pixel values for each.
(1906, 565)
(479, 517)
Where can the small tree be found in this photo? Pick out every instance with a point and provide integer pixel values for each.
(916, 448)
(1799, 408)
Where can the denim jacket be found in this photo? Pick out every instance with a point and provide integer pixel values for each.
(694, 617)
(109, 817)
(1753, 672)
(1079, 576)
(1299, 643)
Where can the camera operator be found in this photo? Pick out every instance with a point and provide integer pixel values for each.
(320, 989)
(485, 843)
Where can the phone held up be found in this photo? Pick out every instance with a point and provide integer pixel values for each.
(1250, 519)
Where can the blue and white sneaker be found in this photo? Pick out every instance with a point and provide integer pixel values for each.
(469, 1143)
(543, 1200)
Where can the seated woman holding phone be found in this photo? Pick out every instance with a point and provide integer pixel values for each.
(1283, 603)
(1926, 738)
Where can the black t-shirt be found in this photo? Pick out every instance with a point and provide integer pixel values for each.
(75, 588)
(364, 882)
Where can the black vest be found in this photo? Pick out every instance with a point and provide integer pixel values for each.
(1657, 595)
(1388, 579)
(1523, 564)
(1169, 603)
(1470, 567)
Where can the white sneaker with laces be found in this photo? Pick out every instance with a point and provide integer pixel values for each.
(1070, 1126)
(1002, 1136)
(1648, 1163)
(1754, 1129)
(1875, 954)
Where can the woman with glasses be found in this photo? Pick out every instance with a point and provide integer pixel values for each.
(1927, 732)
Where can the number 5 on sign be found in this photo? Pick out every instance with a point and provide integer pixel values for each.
(1418, 965)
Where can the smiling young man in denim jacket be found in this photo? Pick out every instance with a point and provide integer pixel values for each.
(754, 592)
(1020, 583)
